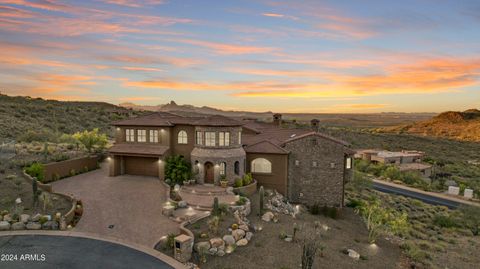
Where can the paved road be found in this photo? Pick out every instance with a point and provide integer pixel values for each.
(73, 252)
(419, 196)
(125, 207)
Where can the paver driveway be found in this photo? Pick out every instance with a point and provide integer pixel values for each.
(132, 204)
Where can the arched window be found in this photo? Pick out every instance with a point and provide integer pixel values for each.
(237, 168)
(261, 165)
(223, 168)
(182, 137)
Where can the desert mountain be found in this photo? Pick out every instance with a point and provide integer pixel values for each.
(451, 124)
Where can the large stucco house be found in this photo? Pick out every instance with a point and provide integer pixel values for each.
(303, 164)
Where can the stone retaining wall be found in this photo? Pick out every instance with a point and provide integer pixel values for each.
(248, 190)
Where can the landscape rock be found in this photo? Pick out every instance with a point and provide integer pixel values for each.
(244, 227)
(288, 239)
(229, 190)
(24, 218)
(36, 217)
(33, 226)
(217, 242)
(4, 226)
(242, 242)
(220, 253)
(353, 254)
(50, 225)
(268, 216)
(212, 251)
(18, 226)
(182, 204)
(238, 234)
(7, 217)
(249, 236)
(201, 246)
(229, 240)
(279, 204)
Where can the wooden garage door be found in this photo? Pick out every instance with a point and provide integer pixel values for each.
(141, 166)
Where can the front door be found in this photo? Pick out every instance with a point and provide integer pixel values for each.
(209, 173)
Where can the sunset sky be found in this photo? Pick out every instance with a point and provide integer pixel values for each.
(285, 56)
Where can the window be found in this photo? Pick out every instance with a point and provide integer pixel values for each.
(182, 137)
(237, 168)
(261, 165)
(209, 138)
(223, 168)
(153, 136)
(239, 138)
(224, 139)
(199, 138)
(130, 135)
(349, 163)
(142, 135)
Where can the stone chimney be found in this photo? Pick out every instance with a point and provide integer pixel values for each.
(277, 119)
(315, 124)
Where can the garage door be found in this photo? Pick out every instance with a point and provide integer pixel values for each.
(141, 166)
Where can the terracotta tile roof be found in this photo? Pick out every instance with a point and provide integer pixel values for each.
(336, 140)
(170, 119)
(265, 147)
(217, 120)
(138, 149)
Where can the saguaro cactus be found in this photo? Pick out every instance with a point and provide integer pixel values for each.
(262, 197)
(216, 210)
(35, 192)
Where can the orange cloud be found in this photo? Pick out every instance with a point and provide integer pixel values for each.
(134, 68)
(136, 3)
(222, 48)
(138, 98)
(273, 15)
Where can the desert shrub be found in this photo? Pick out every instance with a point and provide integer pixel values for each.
(223, 209)
(36, 170)
(471, 218)
(177, 170)
(238, 183)
(241, 201)
(444, 221)
(392, 173)
(360, 181)
(60, 157)
(247, 179)
(315, 209)
(353, 203)
(414, 252)
(72, 172)
(92, 140)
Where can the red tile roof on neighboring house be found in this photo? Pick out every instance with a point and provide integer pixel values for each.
(139, 149)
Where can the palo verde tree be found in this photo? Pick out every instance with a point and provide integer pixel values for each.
(92, 140)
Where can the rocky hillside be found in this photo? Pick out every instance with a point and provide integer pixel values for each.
(22, 116)
(451, 124)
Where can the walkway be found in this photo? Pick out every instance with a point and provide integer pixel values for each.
(125, 207)
(201, 196)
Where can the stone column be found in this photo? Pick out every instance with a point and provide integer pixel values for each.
(161, 169)
(122, 165)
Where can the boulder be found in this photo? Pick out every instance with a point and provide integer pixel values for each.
(201, 246)
(50, 225)
(18, 226)
(244, 227)
(7, 217)
(182, 204)
(217, 242)
(238, 234)
(212, 251)
(33, 226)
(229, 190)
(249, 236)
(220, 253)
(36, 217)
(4, 226)
(242, 242)
(268, 216)
(288, 239)
(353, 254)
(229, 240)
(24, 218)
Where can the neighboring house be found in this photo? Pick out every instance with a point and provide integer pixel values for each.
(405, 160)
(306, 166)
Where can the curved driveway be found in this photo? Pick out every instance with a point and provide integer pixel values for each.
(125, 207)
(72, 252)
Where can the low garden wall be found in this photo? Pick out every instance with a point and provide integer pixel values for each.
(246, 190)
(57, 170)
(43, 186)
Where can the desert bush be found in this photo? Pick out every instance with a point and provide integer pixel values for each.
(360, 181)
(36, 170)
(241, 201)
(444, 221)
(471, 218)
(92, 140)
(247, 179)
(238, 183)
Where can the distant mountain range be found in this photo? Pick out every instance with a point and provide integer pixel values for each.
(451, 124)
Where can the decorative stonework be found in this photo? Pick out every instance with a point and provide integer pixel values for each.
(216, 156)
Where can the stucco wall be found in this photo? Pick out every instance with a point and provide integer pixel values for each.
(182, 149)
(278, 178)
(163, 136)
(63, 168)
(323, 183)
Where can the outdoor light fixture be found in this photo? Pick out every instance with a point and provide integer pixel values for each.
(118, 129)
(109, 158)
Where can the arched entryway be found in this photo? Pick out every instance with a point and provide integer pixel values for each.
(209, 173)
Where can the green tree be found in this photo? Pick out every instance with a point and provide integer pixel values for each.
(177, 170)
(92, 139)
